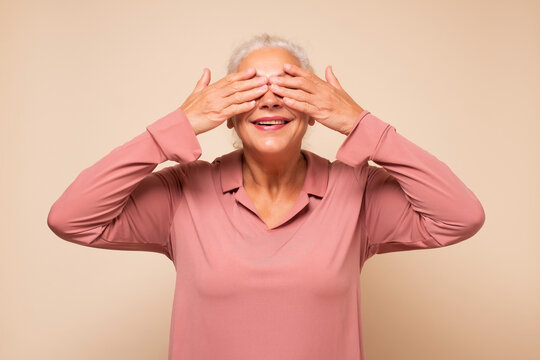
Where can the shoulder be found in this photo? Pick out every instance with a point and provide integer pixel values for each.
(340, 170)
(187, 172)
(200, 170)
(339, 176)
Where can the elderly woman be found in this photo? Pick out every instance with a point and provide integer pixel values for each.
(268, 240)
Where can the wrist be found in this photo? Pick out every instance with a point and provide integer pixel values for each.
(352, 119)
(191, 121)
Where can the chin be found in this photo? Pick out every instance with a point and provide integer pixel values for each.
(272, 148)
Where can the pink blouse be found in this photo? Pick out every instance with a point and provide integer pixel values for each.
(245, 291)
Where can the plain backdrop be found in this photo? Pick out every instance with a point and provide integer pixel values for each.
(459, 78)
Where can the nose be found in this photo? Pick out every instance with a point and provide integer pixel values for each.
(270, 100)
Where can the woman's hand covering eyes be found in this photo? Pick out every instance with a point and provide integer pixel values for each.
(325, 101)
(210, 105)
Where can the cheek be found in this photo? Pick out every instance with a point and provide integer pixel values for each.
(297, 113)
(300, 115)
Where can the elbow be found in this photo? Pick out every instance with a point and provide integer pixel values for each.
(55, 222)
(471, 224)
(477, 218)
(66, 226)
(60, 223)
(446, 233)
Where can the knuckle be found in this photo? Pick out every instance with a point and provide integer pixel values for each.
(225, 114)
(230, 110)
(236, 97)
(325, 106)
(296, 95)
(207, 104)
(234, 86)
(213, 107)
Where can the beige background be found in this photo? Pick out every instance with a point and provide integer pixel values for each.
(459, 78)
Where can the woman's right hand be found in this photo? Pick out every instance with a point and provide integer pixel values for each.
(210, 105)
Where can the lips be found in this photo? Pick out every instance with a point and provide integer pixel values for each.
(271, 120)
(270, 123)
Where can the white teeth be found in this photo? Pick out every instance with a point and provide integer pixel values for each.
(271, 122)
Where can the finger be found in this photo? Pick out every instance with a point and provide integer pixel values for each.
(301, 106)
(243, 96)
(297, 82)
(203, 81)
(235, 109)
(296, 70)
(244, 85)
(236, 76)
(331, 78)
(296, 94)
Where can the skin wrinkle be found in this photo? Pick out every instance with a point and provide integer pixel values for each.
(273, 167)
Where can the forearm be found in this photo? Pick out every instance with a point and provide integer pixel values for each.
(100, 192)
(450, 211)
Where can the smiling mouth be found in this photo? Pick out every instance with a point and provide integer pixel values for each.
(270, 125)
(271, 122)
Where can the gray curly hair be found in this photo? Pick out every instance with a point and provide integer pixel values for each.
(260, 41)
(263, 41)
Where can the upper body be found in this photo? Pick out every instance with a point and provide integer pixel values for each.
(269, 240)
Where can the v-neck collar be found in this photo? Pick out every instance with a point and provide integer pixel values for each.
(315, 182)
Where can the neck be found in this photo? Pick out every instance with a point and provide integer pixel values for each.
(274, 173)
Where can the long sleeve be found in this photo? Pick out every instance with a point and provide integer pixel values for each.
(414, 200)
(119, 202)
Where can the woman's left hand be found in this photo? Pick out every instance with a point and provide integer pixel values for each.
(324, 101)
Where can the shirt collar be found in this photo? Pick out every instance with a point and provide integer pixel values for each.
(316, 177)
